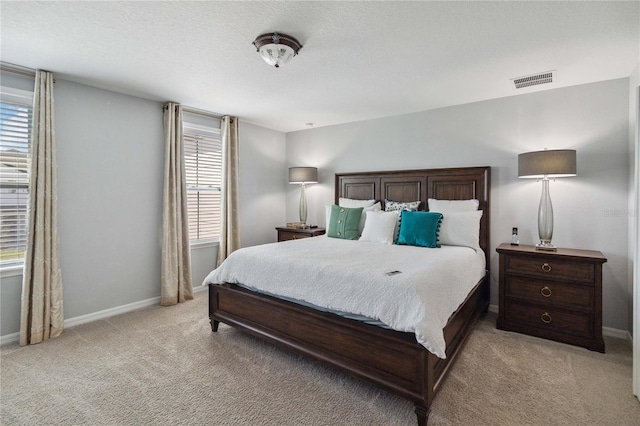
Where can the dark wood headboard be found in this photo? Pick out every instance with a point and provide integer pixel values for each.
(411, 185)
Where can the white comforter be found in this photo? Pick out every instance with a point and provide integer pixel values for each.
(352, 276)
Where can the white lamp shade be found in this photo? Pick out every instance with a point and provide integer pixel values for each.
(303, 175)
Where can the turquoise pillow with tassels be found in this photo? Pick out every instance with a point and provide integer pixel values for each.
(420, 229)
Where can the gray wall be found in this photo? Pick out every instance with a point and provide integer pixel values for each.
(263, 176)
(593, 119)
(110, 177)
(110, 159)
(634, 183)
(110, 173)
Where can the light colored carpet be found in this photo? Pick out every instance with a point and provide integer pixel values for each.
(164, 366)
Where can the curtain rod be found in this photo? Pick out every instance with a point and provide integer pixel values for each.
(201, 112)
(17, 69)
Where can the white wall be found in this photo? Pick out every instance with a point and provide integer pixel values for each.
(110, 177)
(593, 119)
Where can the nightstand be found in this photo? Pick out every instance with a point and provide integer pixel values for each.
(286, 234)
(554, 295)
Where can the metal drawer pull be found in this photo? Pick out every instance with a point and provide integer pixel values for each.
(546, 318)
(545, 291)
(546, 267)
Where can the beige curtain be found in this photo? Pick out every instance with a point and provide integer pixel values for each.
(176, 257)
(42, 315)
(230, 233)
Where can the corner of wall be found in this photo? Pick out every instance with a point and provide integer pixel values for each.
(634, 221)
(634, 186)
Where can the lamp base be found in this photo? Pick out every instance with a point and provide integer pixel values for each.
(303, 205)
(546, 247)
(545, 219)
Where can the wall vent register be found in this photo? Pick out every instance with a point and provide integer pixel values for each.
(533, 80)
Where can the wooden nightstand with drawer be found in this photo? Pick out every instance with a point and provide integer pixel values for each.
(554, 295)
(286, 234)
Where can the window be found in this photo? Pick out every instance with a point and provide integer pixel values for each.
(203, 170)
(16, 113)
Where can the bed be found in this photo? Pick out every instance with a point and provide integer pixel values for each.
(392, 359)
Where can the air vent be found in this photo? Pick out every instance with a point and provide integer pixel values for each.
(533, 80)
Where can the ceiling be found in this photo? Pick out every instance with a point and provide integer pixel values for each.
(360, 60)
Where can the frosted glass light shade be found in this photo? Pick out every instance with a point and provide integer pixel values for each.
(277, 49)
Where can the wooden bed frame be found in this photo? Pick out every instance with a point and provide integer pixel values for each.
(388, 358)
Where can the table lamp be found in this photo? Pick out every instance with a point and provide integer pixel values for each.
(302, 176)
(544, 165)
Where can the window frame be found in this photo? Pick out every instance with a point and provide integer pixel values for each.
(195, 130)
(23, 98)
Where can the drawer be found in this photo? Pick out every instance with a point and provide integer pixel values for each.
(286, 236)
(552, 268)
(550, 293)
(550, 319)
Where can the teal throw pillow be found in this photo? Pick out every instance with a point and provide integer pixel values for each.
(419, 229)
(344, 222)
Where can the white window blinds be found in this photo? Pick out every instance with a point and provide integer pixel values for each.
(203, 170)
(16, 113)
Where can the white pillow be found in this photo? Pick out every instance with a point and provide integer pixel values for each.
(376, 207)
(460, 229)
(450, 206)
(351, 203)
(327, 213)
(379, 226)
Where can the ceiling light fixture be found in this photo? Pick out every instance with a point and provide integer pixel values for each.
(277, 49)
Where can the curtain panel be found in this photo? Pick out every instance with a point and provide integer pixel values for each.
(176, 284)
(42, 314)
(230, 233)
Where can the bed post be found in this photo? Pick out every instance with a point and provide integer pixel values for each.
(422, 413)
(428, 380)
(213, 299)
(214, 324)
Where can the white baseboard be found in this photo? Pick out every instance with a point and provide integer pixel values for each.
(614, 332)
(83, 319)
(95, 316)
(9, 338)
(200, 288)
(606, 331)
